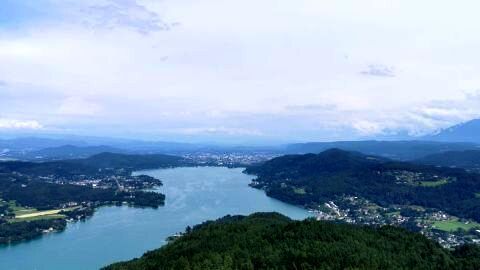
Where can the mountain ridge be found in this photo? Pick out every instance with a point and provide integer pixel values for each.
(468, 131)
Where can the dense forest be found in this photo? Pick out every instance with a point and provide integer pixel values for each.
(18, 231)
(469, 159)
(322, 177)
(42, 195)
(272, 241)
(130, 162)
(97, 164)
(29, 190)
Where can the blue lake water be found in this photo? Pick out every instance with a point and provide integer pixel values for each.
(115, 234)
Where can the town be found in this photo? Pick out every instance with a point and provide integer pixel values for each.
(120, 181)
(447, 230)
(229, 159)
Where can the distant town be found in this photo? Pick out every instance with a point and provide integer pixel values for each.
(229, 159)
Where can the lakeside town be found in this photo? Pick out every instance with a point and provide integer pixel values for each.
(121, 181)
(447, 230)
(229, 159)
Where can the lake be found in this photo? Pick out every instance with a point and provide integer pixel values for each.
(115, 234)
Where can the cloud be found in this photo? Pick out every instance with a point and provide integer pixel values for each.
(220, 130)
(77, 106)
(122, 13)
(19, 124)
(379, 71)
(3, 83)
(368, 128)
(92, 14)
(312, 107)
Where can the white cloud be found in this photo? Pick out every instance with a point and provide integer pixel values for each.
(121, 13)
(77, 106)
(219, 130)
(368, 128)
(379, 71)
(19, 124)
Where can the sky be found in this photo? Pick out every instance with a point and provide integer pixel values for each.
(238, 71)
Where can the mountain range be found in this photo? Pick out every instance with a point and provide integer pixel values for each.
(464, 132)
(462, 137)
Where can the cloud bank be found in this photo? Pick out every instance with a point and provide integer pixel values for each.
(19, 124)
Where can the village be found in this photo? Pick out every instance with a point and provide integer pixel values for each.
(122, 182)
(447, 230)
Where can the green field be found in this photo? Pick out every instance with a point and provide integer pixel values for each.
(30, 214)
(397, 213)
(54, 216)
(433, 183)
(299, 191)
(454, 224)
(19, 210)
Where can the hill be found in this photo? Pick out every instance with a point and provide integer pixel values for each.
(464, 132)
(94, 164)
(26, 144)
(70, 152)
(272, 241)
(469, 159)
(130, 162)
(314, 179)
(399, 150)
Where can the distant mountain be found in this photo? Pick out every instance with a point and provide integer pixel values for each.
(469, 159)
(94, 164)
(29, 144)
(465, 132)
(130, 162)
(70, 152)
(314, 179)
(67, 147)
(26, 146)
(400, 150)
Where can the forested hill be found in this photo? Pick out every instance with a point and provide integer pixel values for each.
(94, 164)
(271, 241)
(69, 152)
(462, 159)
(398, 150)
(132, 162)
(313, 179)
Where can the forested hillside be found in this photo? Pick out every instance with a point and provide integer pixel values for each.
(398, 150)
(313, 179)
(272, 241)
(469, 159)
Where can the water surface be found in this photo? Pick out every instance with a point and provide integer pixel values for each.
(122, 233)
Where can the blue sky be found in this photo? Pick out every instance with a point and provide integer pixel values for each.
(15, 14)
(214, 70)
